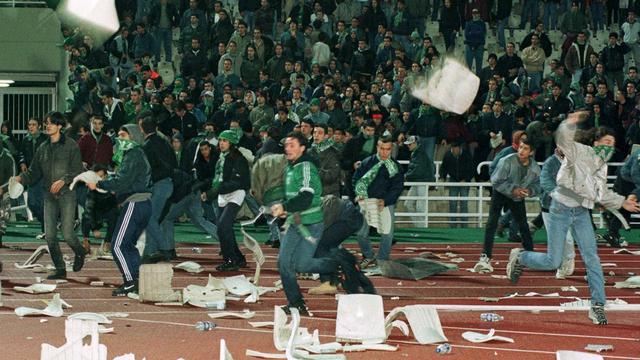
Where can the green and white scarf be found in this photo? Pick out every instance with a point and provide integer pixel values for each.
(122, 146)
(217, 178)
(33, 138)
(362, 185)
(369, 144)
(324, 145)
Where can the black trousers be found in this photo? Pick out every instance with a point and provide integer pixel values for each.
(226, 235)
(519, 214)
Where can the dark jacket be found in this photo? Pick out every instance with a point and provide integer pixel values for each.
(329, 169)
(93, 152)
(53, 162)
(28, 148)
(269, 147)
(235, 174)
(429, 124)
(457, 168)
(449, 19)
(160, 157)
(545, 43)
(475, 33)
(194, 63)
(613, 57)
(420, 167)
(362, 62)
(353, 152)
(133, 177)
(383, 186)
(172, 13)
(187, 125)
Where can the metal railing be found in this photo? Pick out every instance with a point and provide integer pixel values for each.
(19, 3)
(432, 208)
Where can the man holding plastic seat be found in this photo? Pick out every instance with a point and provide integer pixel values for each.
(378, 177)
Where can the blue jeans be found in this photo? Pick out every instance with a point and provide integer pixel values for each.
(569, 252)
(156, 240)
(597, 16)
(474, 53)
(35, 202)
(503, 23)
(192, 206)
(536, 80)
(449, 39)
(385, 239)
(164, 38)
(428, 145)
(529, 11)
(250, 19)
(297, 256)
(550, 15)
(419, 24)
(61, 207)
(435, 10)
(458, 191)
(563, 219)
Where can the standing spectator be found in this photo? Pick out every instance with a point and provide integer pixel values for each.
(241, 37)
(362, 62)
(401, 24)
(550, 14)
(162, 161)
(194, 29)
(419, 10)
(135, 106)
(328, 160)
(457, 166)
(194, 62)
(357, 149)
(56, 163)
(596, 8)
(247, 9)
(578, 57)
(426, 123)
(119, 53)
(96, 146)
(475, 33)
(221, 31)
(631, 36)
(543, 40)
(533, 58)
(113, 111)
(502, 15)
(192, 10)
(509, 63)
(163, 18)
(529, 13)
(378, 177)
(143, 42)
(28, 147)
(613, 59)
(264, 18)
(420, 169)
(573, 22)
(449, 24)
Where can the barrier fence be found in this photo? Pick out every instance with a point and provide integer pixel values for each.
(425, 204)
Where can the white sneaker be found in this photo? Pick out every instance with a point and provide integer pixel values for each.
(566, 269)
(483, 266)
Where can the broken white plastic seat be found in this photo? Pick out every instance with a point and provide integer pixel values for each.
(15, 188)
(424, 322)
(36, 288)
(246, 314)
(89, 176)
(54, 308)
(379, 219)
(452, 87)
(212, 295)
(89, 316)
(258, 256)
(576, 355)
(74, 348)
(475, 337)
(632, 282)
(224, 352)
(190, 266)
(360, 318)
(155, 283)
(238, 285)
(30, 263)
(282, 331)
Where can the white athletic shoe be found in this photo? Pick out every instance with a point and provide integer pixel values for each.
(566, 269)
(483, 266)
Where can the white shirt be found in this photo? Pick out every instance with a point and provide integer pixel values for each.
(631, 32)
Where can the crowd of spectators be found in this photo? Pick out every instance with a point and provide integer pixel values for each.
(341, 73)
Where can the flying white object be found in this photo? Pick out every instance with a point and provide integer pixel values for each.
(452, 88)
(96, 17)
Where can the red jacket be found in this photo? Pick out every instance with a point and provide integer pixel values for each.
(94, 153)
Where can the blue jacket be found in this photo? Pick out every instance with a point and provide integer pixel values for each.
(501, 154)
(630, 171)
(548, 182)
(508, 177)
(382, 187)
(475, 33)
